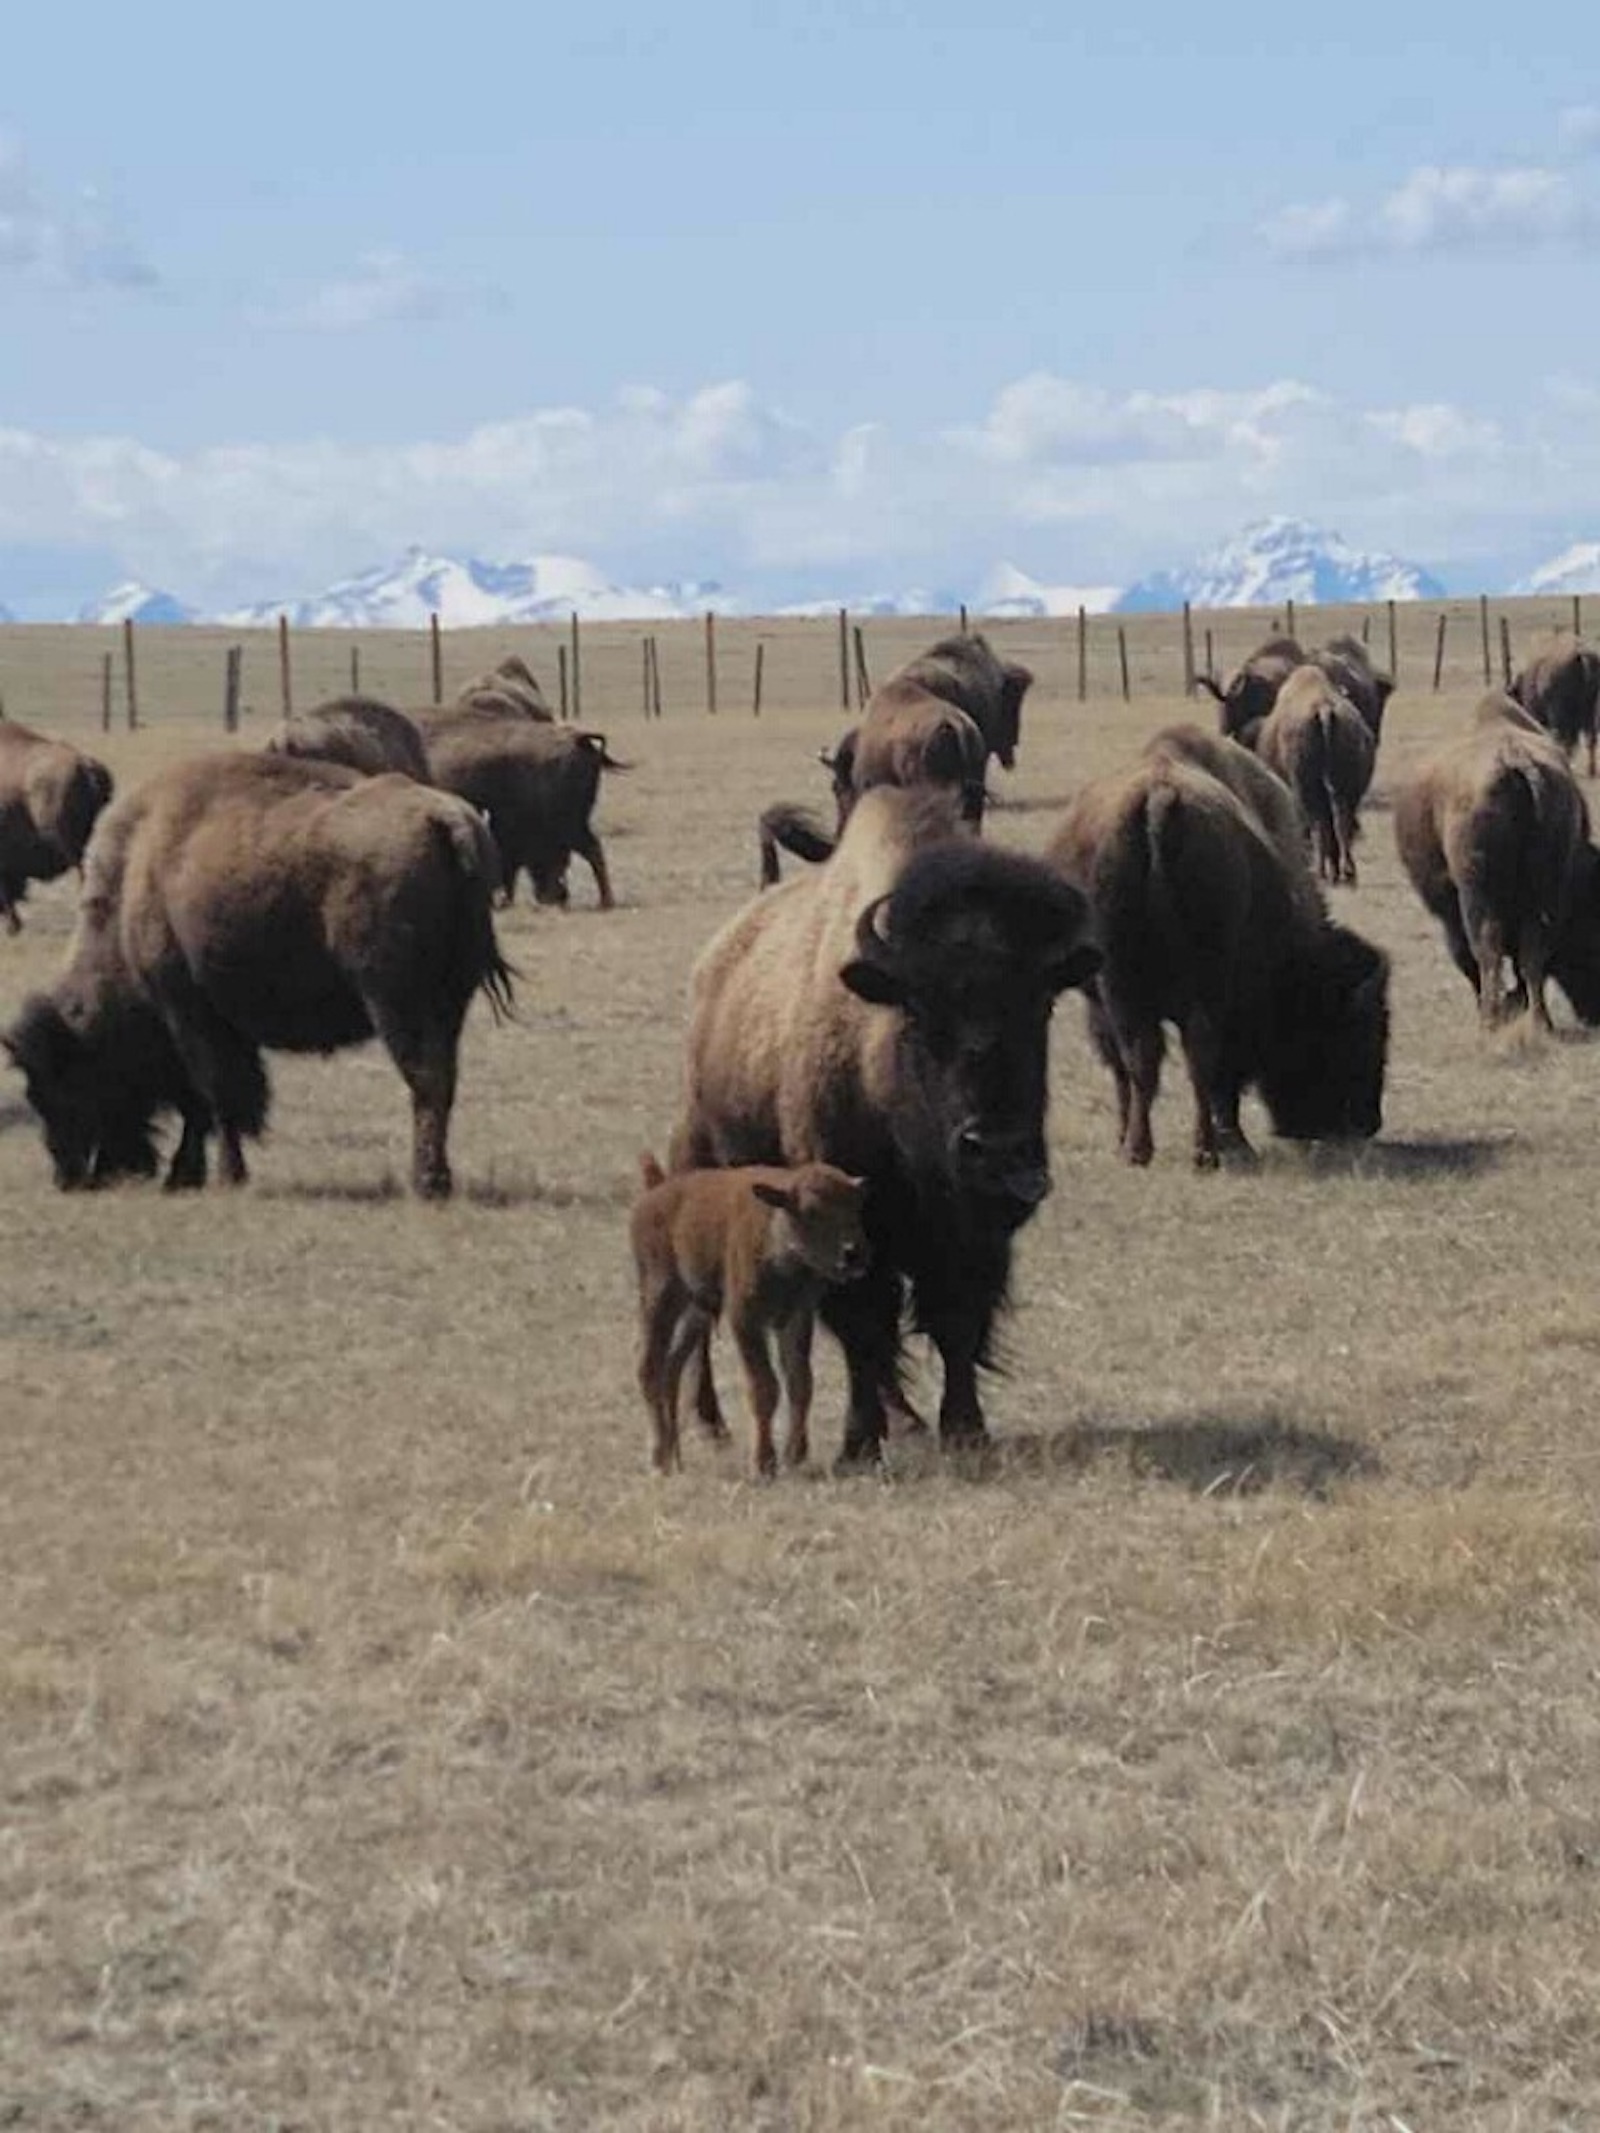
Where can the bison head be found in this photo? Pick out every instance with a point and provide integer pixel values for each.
(1327, 1041)
(972, 948)
(1015, 682)
(96, 1127)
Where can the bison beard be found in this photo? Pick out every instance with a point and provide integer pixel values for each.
(916, 1058)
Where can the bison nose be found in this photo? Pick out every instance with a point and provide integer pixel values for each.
(852, 1260)
(1029, 1185)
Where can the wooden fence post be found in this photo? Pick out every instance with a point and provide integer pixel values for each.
(230, 690)
(437, 651)
(1288, 618)
(755, 702)
(964, 630)
(1366, 628)
(863, 679)
(105, 693)
(129, 675)
(1188, 650)
(1577, 614)
(1083, 656)
(1505, 650)
(1438, 651)
(577, 672)
(1483, 624)
(655, 676)
(844, 660)
(561, 678)
(1394, 648)
(285, 685)
(644, 673)
(711, 663)
(1122, 659)
(1211, 671)
(355, 670)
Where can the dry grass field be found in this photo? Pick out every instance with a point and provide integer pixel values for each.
(380, 1745)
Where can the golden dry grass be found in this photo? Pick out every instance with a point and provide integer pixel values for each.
(381, 1745)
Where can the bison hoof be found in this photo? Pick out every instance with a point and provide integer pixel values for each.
(1207, 1159)
(859, 1459)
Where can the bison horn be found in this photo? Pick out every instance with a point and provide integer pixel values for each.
(872, 935)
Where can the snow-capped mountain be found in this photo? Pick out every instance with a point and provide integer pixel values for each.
(1575, 570)
(1008, 591)
(919, 601)
(466, 593)
(1279, 559)
(134, 602)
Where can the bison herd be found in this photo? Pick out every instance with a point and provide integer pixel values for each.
(862, 1132)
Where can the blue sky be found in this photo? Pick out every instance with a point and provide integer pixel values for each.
(805, 297)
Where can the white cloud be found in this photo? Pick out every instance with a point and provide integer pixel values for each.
(1088, 483)
(383, 288)
(1446, 209)
(1578, 128)
(80, 245)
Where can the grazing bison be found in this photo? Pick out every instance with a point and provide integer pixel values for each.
(1348, 665)
(1320, 745)
(360, 733)
(968, 673)
(1260, 790)
(1560, 686)
(1253, 689)
(510, 688)
(1206, 922)
(890, 1014)
(537, 785)
(247, 902)
(1494, 835)
(50, 796)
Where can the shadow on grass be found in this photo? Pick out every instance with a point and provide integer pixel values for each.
(488, 1192)
(1046, 803)
(1468, 1156)
(1212, 1455)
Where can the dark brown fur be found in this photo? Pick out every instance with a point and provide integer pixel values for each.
(537, 785)
(1203, 923)
(1253, 689)
(758, 1246)
(359, 732)
(1320, 745)
(1560, 686)
(1348, 665)
(246, 902)
(968, 673)
(910, 737)
(511, 688)
(50, 796)
(889, 1013)
(1494, 835)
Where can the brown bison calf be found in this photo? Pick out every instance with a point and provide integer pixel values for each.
(246, 902)
(50, 796)
(1494, 834)
(757, 1245)
(1322, 748)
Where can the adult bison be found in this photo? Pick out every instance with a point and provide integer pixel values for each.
(1559, 685)
(1494, 835)
(536, 784)
(359, 732)
(1318, 743)
(1205, 921)
(50, 796)
(1348, 665)
(247, 902)
(510, 687)
(1253, 689)
(969, 674)
(890, 1014)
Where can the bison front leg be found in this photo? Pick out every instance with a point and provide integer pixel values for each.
(588, 848)
(761, 1390)
(227, 1075)
(864, 1317)
(794, 1364)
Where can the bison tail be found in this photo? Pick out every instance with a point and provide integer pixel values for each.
(596, 745)
(651, 1173)
(473, 852)
(1204, 681)
(791, 829)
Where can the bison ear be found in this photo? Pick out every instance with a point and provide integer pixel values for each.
(1074, 967)
(773, 1195)
(873, 982)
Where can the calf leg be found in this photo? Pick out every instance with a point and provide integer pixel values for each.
(761, 1388)
(588, 848)
(659, 1310)
(794, 1363)
(690, 1335)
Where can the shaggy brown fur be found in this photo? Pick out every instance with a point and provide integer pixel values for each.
(241, 902)
(510, 688)
(1560, 685)
(1494, 835)
(909, 736)
(1320, 745)
(1203, 924)
(359, 732)
(1253, 690)
(50, 796)
(537, 785)
(889, 1013)
(1259, 790)
(757, 1245)
(968, 673)
(1348, 665)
